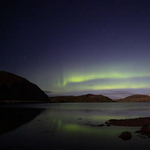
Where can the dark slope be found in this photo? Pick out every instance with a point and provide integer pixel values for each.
(13, 87)
(136, 98)
(82, 98)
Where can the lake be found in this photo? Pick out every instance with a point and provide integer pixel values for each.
(69, 126)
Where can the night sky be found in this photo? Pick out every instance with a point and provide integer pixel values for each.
(73, 47)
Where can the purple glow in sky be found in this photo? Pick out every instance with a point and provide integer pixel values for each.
(78, 46)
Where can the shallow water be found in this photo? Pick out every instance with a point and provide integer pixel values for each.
(67, 126)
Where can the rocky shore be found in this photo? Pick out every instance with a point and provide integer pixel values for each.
(129, 122)
(143, 123)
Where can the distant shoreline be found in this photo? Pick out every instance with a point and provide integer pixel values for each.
(89, 98)
(21, 102)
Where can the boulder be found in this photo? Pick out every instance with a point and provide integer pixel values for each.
(145, 128)
(125, 136)
(144, 132)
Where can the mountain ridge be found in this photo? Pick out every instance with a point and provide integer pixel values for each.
(81, 98)
(136, 98)
(14, 87)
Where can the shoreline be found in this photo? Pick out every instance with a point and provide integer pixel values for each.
(134, 122)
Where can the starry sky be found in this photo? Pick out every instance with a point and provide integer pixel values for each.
(74, 47)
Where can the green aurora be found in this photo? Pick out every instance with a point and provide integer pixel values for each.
(102, 80)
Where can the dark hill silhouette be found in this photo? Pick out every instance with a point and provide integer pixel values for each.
(136, 98)
(82, 98)
(13, 87)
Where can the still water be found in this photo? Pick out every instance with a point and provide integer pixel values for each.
(69, 126)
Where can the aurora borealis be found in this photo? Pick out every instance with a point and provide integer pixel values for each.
(73, 47)
(103, 80)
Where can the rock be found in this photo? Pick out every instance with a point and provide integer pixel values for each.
(13, 87)
(145, 128)
(101, 125)
(144, 132)
(133, 122)
(125, 136)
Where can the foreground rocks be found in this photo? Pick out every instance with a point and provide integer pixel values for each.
(126, 136)
(146, 128)
(144, 131)
(144, 122)
(14, 88)
(129, 122)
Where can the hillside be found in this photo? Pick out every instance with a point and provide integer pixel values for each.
(13, 87)
(136, 98)
(82, 98)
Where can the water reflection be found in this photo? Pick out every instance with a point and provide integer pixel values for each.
(12, 118)
(64, 126)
